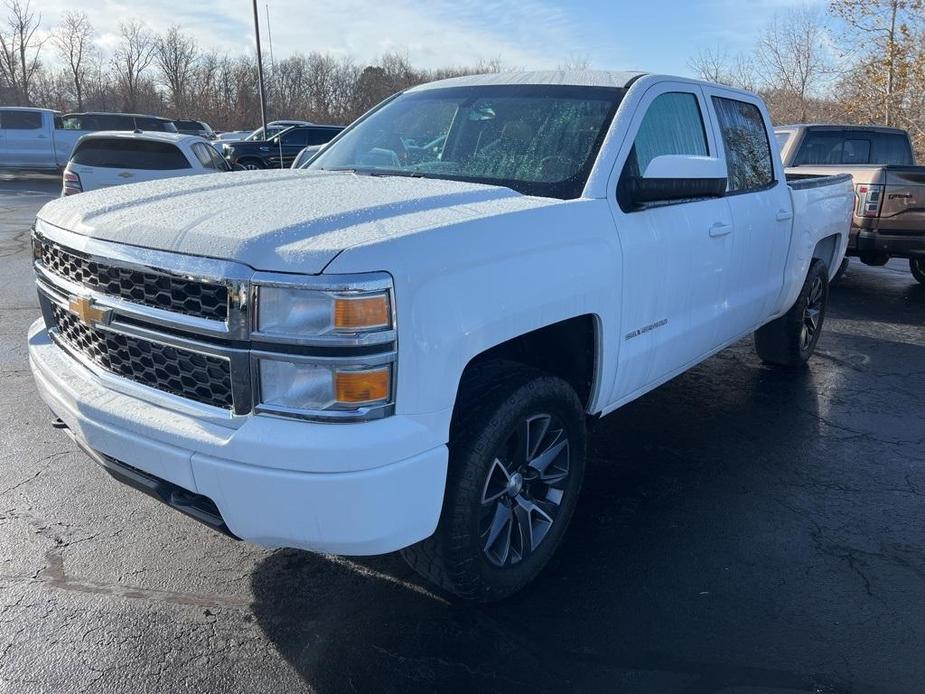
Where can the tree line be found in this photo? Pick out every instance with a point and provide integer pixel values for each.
(170, 74)
(856, 61)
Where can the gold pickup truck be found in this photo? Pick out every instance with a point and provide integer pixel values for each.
(889, 214)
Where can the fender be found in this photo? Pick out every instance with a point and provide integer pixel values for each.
(533, 268)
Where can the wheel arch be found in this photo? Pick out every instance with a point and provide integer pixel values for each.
(827, 250)
(569, 349)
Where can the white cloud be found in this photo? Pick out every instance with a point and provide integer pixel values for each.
(531, 33)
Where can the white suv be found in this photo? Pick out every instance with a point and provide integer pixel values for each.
(106, 159)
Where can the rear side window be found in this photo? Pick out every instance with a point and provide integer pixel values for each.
(107, 121)
(826, 148)
(20, 120)
(321, 136)
(208, 157)
(202, 155)
(295, 137)
(118, 153)
(154, 125)
(672, 125)
(745, 140)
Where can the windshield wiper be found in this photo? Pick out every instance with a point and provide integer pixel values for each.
(406, 174)
(376, 172)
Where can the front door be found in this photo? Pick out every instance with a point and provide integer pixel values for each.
(675, 255)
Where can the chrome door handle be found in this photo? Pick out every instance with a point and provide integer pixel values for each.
(720, 229)
(784, 215)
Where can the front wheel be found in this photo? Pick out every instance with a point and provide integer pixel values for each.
(917, 265)
(251, 164)
(517, 457)
(790, 340)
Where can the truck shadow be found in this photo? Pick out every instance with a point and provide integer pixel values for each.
(627, 599)
(720, 545)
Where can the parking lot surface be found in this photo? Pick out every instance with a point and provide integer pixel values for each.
(741, 531)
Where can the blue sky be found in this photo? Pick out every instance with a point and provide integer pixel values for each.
(655, 35)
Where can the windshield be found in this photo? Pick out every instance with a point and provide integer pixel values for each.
(539, 140)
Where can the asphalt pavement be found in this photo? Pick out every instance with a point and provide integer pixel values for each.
(741, 531)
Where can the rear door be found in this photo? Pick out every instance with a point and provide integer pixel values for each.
(675, 254)
(27, 141)
(761, 207)
(290, 143)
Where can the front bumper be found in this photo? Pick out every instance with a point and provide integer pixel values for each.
(867, 241)
(354, 489)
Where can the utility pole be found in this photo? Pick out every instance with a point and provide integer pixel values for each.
(270, 40)
(263, 106)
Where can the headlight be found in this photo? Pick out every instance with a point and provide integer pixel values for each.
(293, 312)
(309, 387)
(305, 346)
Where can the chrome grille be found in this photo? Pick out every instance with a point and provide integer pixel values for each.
(199, 377)
(189, 297)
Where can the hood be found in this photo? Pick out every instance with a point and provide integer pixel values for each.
(279, 220)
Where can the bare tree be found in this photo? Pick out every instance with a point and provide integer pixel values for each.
(74, 40)
(717, 66)
(20, 48)
(131, 58)
(175, 54)
(791, 55)
(888, 27)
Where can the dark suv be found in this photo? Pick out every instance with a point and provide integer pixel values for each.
(280, 150)
(117, 121)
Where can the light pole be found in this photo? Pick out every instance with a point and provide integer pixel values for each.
(263, 106)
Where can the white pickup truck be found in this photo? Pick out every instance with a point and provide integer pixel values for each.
(400, 347)
(34, 139)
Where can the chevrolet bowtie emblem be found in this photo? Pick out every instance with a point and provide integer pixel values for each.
(84, 308)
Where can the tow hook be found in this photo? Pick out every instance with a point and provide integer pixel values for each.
(59, 423)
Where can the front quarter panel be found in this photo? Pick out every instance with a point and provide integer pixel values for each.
(463, 288)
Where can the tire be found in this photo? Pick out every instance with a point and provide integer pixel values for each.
(252, 164)
(790, 340)
(841, 271)
(917, 266)
(494, 506)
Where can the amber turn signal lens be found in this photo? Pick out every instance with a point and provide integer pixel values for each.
(362, 314)
(359, 387)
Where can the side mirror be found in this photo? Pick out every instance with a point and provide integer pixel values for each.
(679, 177)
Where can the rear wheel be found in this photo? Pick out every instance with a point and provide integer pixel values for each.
(517, 457)
(917, 265)
(791, 339)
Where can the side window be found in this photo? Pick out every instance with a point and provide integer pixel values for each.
(672, 125)
(295, 137)
(218, 163)
(321, 136)
(745, 139)
(202, 155)
(20, 120)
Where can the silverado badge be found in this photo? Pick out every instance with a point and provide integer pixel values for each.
(88, 313)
